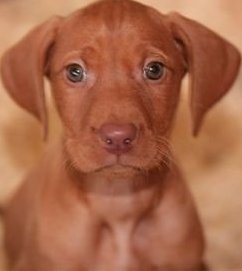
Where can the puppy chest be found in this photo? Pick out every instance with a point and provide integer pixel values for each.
(96, 247)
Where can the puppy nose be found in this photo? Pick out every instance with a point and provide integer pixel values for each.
(117, 138)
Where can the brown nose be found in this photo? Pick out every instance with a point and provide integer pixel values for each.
(117, 138)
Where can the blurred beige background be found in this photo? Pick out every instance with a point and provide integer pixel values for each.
(212, 162)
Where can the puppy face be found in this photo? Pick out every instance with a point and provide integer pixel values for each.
(130, 71)
(115, 68)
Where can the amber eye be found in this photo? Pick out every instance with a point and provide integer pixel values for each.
(75, 73)
(154, 70)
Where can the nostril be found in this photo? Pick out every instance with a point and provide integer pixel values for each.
(127, 141)
(109, 141)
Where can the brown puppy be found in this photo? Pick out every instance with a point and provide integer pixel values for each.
(108, 196)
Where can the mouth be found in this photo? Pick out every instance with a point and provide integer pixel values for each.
(118, 167)
(88, 159)
(117, 163)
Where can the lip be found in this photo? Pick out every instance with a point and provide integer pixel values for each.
(117, 167)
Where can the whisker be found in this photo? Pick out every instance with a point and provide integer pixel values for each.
(164, 152)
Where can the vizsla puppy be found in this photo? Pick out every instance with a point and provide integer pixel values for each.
(108, 196)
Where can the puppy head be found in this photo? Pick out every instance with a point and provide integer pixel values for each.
(115, 68)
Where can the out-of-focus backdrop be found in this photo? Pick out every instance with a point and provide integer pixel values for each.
(212, 162)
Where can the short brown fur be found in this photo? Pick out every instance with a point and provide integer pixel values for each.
(87, 206)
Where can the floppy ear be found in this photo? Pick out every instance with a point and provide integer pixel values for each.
(213, 64)
(23, 68)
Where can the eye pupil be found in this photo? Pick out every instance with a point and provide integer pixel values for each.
(154, 70)
(75, 73)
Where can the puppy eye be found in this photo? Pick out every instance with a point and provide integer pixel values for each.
(154, 70)
(75, 73)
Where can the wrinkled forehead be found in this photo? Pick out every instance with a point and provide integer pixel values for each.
(116, 24)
